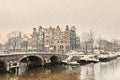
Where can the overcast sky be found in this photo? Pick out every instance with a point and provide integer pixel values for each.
(101, 16)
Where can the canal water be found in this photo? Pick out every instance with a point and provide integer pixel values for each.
(98, 71)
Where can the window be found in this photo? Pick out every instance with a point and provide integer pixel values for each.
(47, 40)
(61, 41)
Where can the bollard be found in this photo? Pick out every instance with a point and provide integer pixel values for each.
(8, 67)
(17, 70)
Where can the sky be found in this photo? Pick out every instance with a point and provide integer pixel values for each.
(100, 16)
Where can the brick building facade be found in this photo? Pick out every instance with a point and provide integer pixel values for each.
(55, 39)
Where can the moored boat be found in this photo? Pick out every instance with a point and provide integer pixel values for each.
(107, 57)
(72, 63)
(85, 59)
(104, 57)
(69, 60)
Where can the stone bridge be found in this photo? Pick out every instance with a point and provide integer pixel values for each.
(8, 60)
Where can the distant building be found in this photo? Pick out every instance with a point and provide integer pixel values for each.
(41, 38)
(67, 38)
(37, 40)
(48, 39)
(54, 39)
(77, 42)
(33, 41)
(73, 38)
(58, 42)
(34, 34)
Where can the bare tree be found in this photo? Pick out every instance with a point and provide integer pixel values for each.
(104, 45)
(24, 45)
(14, 40)
(85, 40)
(88, 39)
(115, 45)
(91, 37)
(99, 43)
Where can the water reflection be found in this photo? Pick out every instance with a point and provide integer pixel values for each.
(98, 71)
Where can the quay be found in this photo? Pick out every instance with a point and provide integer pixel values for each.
(11, 61)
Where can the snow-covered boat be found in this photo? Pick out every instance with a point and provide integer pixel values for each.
(107, 57)
(88, 59)
(69, 61)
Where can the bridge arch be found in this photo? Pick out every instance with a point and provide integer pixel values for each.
(35, 60)
(55, 59)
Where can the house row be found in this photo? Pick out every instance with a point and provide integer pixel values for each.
(54, 39)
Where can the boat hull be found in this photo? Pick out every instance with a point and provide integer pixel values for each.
(83, 62)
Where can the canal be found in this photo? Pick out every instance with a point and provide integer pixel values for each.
(98, 71)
